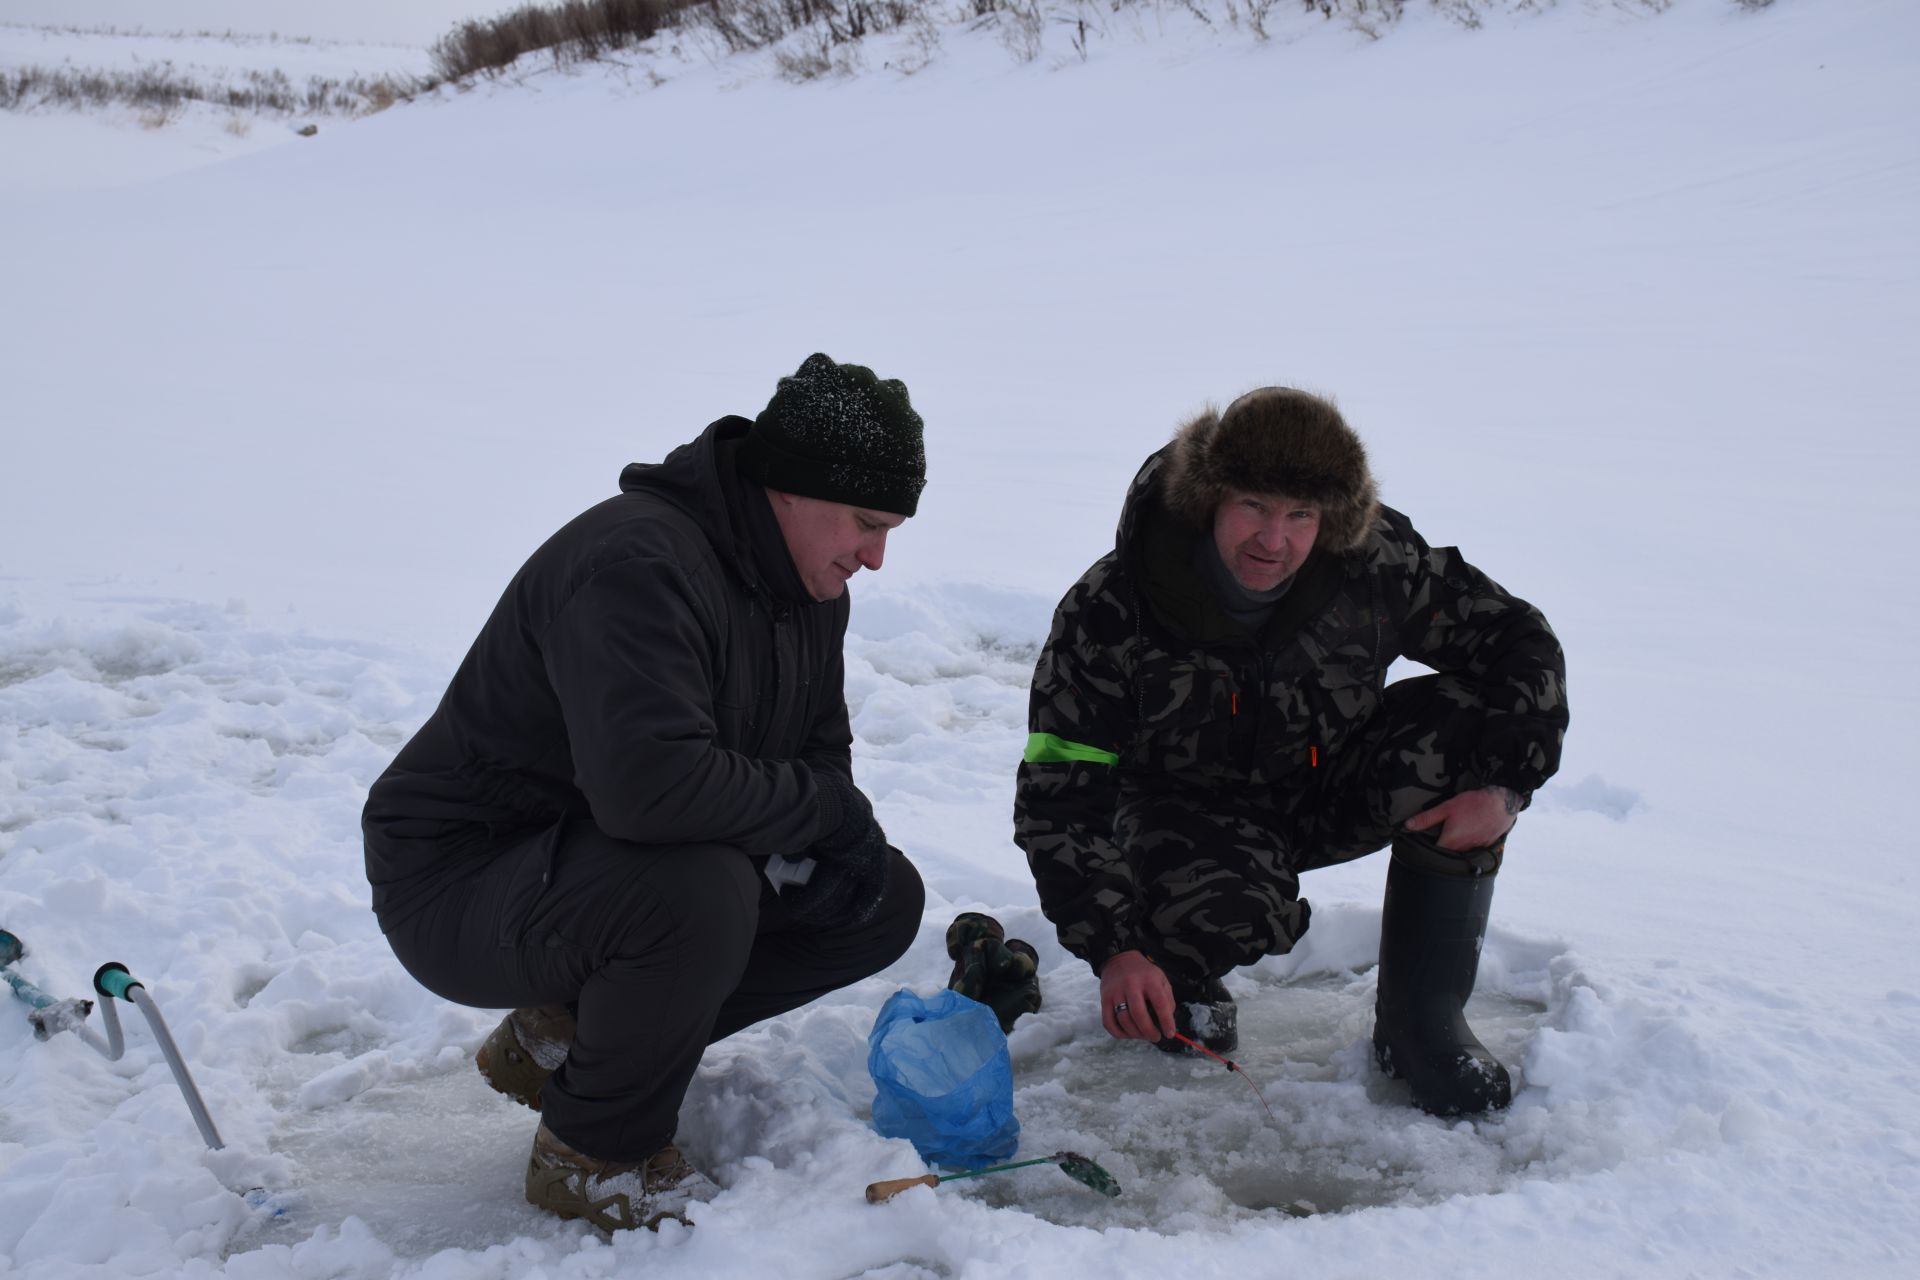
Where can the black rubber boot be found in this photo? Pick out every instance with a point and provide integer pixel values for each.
(1431, 927)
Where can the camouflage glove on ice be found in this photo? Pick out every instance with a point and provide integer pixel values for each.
(1000, 972)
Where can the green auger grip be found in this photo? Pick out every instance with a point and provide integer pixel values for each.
(112, 979)
(11, 948)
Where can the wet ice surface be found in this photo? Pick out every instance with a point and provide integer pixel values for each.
(1188, 1140)
(436, 1162)
(430, 1164)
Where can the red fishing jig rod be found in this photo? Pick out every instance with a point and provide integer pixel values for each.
(1231, 1066)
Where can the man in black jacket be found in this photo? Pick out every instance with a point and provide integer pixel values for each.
(632, 818)
(1211, 717)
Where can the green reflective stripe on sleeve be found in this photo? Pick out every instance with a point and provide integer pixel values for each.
(1044, 748)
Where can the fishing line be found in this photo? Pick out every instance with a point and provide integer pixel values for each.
(1231, 1066)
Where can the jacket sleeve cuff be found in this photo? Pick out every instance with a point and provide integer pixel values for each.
(1111, 941)
(1512, 758)
(826, 802)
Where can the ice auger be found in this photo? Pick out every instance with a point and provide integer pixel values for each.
(50, 1016)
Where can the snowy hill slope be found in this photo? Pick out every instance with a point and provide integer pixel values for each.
(1621, 308)
(409, 22)
(104, 108)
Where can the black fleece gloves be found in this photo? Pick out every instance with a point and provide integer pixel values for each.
(850, 873)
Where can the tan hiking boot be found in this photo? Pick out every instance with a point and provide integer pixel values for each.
(612, 1196)
(528, 1046)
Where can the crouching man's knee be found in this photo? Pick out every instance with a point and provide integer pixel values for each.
(1220, 924)
(897, 919)
(869, 932)
(697, 903)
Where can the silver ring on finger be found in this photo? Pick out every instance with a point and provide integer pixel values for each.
(1121, 1007)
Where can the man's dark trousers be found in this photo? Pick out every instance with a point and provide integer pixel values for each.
(661, 951)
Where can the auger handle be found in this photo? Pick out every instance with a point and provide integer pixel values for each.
(112, 979)
(880, 1192)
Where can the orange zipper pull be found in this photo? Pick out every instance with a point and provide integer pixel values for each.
(1313, 753)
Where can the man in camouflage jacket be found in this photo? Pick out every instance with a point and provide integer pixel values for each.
(1210, 717)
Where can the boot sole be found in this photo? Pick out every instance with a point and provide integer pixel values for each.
(648, 1224)
(596, 1221)
(569, 1207)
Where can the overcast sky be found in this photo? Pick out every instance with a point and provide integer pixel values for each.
(396, 21)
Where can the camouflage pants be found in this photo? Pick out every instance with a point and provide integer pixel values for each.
(1218, 870)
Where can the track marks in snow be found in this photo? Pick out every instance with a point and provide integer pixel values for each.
(159, 723)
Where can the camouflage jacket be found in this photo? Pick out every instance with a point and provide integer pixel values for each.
(1147, 691)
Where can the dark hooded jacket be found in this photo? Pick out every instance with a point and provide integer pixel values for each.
(1149, 697)
(655, 667)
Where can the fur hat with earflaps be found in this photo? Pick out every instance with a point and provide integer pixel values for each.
(1276, 441)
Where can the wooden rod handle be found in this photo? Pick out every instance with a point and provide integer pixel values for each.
(881, 1191)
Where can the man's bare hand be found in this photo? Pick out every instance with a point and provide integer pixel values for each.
(1133, 994)
(1470, 820)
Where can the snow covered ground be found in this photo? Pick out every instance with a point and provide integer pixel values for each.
(1624, 306)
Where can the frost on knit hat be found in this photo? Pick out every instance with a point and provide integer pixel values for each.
(836, 432)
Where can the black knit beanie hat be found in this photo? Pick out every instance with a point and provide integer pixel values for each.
(836, 432)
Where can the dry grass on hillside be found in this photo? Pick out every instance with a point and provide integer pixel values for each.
(161, 92)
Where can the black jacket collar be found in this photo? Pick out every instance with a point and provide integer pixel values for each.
(702, 478)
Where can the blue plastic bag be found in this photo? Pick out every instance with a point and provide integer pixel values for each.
(944, 1078)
